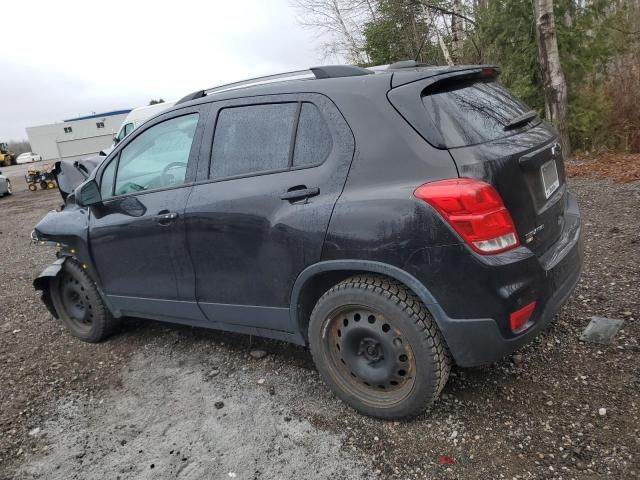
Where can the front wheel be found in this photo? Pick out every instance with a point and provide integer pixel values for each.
(378, 348)
(9, 189)
(79, 304)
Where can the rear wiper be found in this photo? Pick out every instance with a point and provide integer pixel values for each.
(520, 120)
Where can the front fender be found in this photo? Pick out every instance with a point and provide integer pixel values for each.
(43, 284)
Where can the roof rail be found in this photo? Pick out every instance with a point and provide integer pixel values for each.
(328, 71)
(406, 64)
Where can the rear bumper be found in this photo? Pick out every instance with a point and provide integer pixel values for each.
(549, 280)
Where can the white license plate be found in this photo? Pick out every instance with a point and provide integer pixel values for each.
(550, 181)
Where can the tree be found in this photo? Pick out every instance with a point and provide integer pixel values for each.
(341, 21)
(19, 146)
(555, 85)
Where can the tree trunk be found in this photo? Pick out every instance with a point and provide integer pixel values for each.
(555, 85)
(431, 19)
(457, 31)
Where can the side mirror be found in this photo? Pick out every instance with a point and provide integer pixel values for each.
(115, 140)
(88, 193)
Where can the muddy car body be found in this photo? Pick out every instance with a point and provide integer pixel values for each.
(395, 222)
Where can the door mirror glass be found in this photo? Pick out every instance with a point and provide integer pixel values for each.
(88, 193)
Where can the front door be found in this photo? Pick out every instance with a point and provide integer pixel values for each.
(137, 235)
(258, 215)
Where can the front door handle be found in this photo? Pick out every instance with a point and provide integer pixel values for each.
(165, 217)
(298, 193)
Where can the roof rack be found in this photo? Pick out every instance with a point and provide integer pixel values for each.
(328, 71)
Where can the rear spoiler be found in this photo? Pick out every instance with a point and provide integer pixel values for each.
(432, 76)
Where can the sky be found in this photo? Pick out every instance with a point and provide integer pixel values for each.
(69, 58)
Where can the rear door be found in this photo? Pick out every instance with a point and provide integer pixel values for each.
(258, 215)
(476, 119)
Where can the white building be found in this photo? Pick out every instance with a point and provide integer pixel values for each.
(76, 138)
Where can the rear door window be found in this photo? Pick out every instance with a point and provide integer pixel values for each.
(253, 139)
(257, 139)
(470, 113)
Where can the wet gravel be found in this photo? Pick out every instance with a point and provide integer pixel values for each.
(154, 394)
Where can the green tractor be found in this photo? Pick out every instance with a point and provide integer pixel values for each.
(7, 158)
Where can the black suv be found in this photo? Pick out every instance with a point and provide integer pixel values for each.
(395, 221)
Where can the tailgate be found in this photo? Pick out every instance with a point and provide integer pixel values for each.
(517, 167)
(494, 137)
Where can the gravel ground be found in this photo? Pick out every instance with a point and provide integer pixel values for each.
(145, 404)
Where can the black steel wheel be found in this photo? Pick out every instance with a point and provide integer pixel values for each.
(368, 355)
(377, 347)
(79, 305)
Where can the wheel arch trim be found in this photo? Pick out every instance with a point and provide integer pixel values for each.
(370, 267)
(43, 282)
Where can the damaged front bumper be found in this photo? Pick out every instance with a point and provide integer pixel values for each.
(43, 283)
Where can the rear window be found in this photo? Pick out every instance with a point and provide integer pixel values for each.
(470, 112)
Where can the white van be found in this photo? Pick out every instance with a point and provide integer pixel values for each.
(137, 117)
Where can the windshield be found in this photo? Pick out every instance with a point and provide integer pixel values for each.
(471, 112)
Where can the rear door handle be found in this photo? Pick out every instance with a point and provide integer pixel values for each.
(297, 193)
(165, 217)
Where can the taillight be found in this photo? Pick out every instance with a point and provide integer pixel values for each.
(475, 211)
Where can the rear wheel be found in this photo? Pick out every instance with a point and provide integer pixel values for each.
(79, 304)
(377, 347)
(9, 189)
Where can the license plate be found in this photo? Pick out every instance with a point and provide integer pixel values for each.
(550, 181)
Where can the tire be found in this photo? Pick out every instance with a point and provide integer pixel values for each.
(33, 187)
(79, 304)
(378, 348)
(9, 189)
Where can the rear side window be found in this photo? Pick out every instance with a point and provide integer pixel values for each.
(469, 113)
(313, 140)
(128, 128)
(253, 139)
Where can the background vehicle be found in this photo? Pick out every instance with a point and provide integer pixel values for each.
(28, 157)
(448, 235)
(135, 118)
(6, 156)
(5, 186)
(45, 178)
